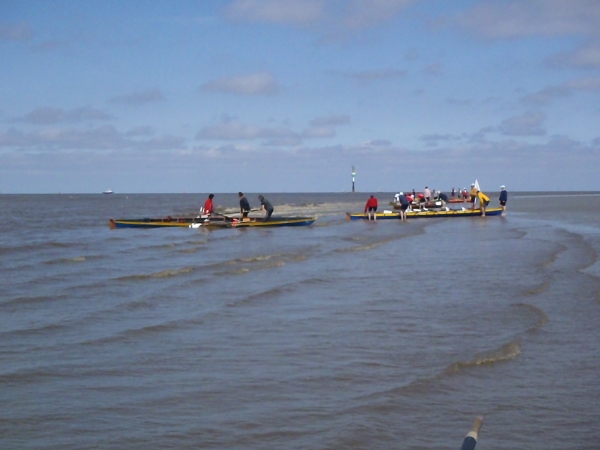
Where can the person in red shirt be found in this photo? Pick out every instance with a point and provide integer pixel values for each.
(371, 207)
(208, 207)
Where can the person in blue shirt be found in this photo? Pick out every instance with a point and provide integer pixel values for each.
(503, 199)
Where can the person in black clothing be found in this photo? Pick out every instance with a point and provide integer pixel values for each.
(503, 198)
(244, 205)
(404, 204)
(266, 207)
(444, 198)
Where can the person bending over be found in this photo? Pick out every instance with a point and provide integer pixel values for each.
(371, 208)
(208, 207)
(266, 206)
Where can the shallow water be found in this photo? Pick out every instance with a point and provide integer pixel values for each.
(338, 335)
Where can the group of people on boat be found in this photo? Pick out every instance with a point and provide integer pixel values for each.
(209, 209)
(436, 199)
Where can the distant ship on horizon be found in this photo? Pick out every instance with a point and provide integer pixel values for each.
(108, 191)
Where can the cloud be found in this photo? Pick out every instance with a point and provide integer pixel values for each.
(364, 13)
(140, 98)
(586, 56)
(233, 130)
(230, 129)
(433, 140)
(378, 143)
(276, 11)
(367, 76)
(342, 119)
(318, 132)
(528, 124)
(18, 32)
(254, 84)
(351, 14)
(142, 130)
(52, 116)
(568, 88)
(99, 138)
(434, 69)
(521, 18)
(547, 94)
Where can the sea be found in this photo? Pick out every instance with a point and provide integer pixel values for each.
(340, 335)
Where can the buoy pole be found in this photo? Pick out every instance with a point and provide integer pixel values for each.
(353, 175)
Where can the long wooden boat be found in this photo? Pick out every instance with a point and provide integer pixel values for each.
(428, 214)
(215, 221)
(153, 222)
(273, 221)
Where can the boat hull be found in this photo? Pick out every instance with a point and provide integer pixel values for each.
(428, 214)
(214, 222)
(260, 222)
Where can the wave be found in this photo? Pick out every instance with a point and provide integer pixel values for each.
(358, 248)
(20, 302)
(278, 291)
(189, 250)
(254, 263)
(263, 296)
(505, 353)
(554, 256)
(540, 313)
(5, 250)
(591, 256)
(161, 274)
(142, 332)
(74, 259)
(49, 328)
(539, 288)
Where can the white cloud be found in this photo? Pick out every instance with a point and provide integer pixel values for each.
(142, 130)
(99, 138)
(367, 76)
(378, 143)
(18, 32)
(140, 98)
(350, 14)
(233, 130)
(519, 18)
(277, 11)
(528, 124)
(434, 69)
(229, 129)
(51, 116)
(568, 88)
(342, 119)
(252, 84)
(318, 132)
(586, 56)
(585, 84)
(363, 13)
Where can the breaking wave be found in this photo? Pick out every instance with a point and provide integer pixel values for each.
(161, 274)
(505, 353)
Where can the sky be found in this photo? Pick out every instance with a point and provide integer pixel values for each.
(287, 96)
